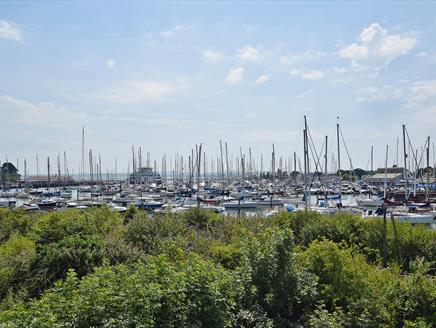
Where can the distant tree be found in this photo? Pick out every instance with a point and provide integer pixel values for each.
(359, 172)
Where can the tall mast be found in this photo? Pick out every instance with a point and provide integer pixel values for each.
(372, 158)
(427, 168)
(222, 162)
(242, 165)
(227, 163)
(295, 167)
(305, 168)
(48, 173)
(59, 170)
(339, 163)
(91, 172)
(250, 168)
(116, 169)
(65, 168)
(325, 169)
(198, 172)
(306, 171)
(25, 170)
(83, 153)
(405, 164)
(386, 172)
(133, 168)
(273, 163)
(204, 167)
(261, 164)
(99, 168)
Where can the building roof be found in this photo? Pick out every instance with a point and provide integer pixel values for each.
(389, 176)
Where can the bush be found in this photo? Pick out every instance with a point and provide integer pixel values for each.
(198, 269)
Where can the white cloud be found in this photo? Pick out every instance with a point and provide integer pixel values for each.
(43, 113)
(341, 81)
(308, 74)
(262, 79)
(289, 59)
(170, 33)
(139, 91)
(250, 54)
(421, 92)
(212, 56)
(354, 52)
(373, 94)
(376, 48)
(312, 75)
(110, 63)
(10, 31)
(306, 57)
(235, 75)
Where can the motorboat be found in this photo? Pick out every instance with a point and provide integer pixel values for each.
(243, 204)
(47, 204)
(369, 202)
(29, 207)
(7, 203)
(147, 204)
(416, 218)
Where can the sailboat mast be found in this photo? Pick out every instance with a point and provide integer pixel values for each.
(222, 162)
(59, 170)
(427, 169)
(325, 168)
(386, 172)
(227, 163)
(25, 170)
(339, 163)
(199, 172)
(48, 173)
(65, 168)
(405, 164)
(273, 163)
(83, 154)
(305, 167)
(306, 156)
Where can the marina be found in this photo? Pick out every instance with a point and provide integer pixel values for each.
(234, 186)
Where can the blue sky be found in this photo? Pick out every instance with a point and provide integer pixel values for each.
(165, 76)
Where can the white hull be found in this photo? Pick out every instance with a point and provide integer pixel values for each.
(241, 205)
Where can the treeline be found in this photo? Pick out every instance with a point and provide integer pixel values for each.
(97, 268)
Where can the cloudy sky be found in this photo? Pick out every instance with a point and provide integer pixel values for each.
(166, 76)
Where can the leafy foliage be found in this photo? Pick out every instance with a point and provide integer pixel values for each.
(198, 269)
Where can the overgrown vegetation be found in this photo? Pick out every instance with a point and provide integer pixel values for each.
(100, 269)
